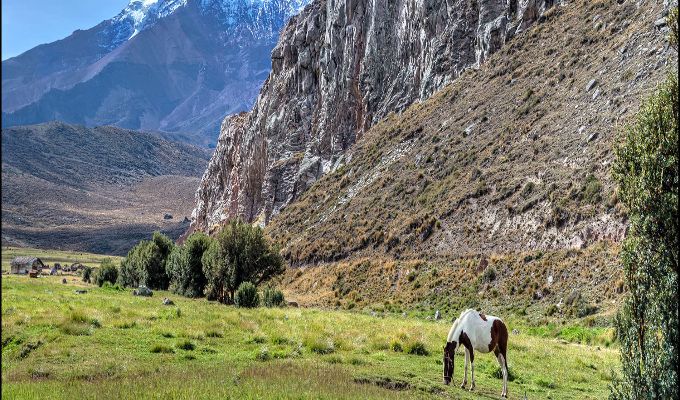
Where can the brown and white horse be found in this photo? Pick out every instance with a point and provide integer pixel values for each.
(480, 332)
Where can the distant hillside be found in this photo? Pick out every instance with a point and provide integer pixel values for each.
(506, 169)
(95, 189)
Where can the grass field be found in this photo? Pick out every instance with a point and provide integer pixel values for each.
(52, 256)
(109, 344)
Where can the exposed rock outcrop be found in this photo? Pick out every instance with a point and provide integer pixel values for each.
(339, 67)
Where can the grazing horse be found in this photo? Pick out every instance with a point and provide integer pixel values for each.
(476, 331)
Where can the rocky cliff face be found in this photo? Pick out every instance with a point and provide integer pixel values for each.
(339, 67)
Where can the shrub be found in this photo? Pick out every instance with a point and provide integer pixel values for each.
(186, 345)
(161, 348)
(87, 274)
(646, 170)
(417, 348)
(272, 297)
(489, 275)
(246, 296)
(241, 253)
(145, 263)
(396, 346)
(107, 273)
(184, 267)
(591, 190)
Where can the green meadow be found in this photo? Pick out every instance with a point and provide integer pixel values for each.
(107, 344)
(53, 256)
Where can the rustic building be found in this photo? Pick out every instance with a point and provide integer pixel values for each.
(22, 264)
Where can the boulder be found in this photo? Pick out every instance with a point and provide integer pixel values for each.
(437, 315)
(591, 84)
(167, 216)
(168, 302)
(142, 291)
(293, 304)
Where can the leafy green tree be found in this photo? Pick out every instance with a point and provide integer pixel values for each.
(246, 296)
(87, 274)
(184, 266)
(241, 253)
(145, 263)
(107, 272)
(646, 170)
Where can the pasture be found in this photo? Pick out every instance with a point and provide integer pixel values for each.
(53, 256)
(107, 343)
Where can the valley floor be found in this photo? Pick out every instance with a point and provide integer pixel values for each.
(108, 344)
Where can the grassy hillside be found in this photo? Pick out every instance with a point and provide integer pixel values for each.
(509, 164)
(109, 344)
(96, 189)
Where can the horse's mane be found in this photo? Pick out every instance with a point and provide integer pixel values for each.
(454, 327)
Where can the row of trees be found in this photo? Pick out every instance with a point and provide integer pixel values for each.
(214, 267)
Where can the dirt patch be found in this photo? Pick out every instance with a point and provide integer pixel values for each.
(383, 382)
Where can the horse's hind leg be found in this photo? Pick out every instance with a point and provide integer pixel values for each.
(501, 354)
(504, 369)
(472, 372)
(467, 357)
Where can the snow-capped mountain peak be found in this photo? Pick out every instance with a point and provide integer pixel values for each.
(138, 15)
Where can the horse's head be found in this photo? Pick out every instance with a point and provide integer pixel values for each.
(449, 351)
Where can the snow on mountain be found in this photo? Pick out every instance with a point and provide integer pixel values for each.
(138, 15)
(262, 17)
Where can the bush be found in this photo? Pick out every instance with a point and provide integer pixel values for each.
(396, 346)
(186, 345)
(184, 267)
(161, 348)
(145, 263)
(646, 170)
(272, 297)
(489, 275)
(240, 254)
(417, 348)
(107, 273)
(591, 190)
(246, 296)
(87, 274)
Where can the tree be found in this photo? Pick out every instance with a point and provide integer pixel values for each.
(145, 263)
(646, 170)
(107, 273)
(184, 266)
(241, 253)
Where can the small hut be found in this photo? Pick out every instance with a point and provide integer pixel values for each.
(22, 265)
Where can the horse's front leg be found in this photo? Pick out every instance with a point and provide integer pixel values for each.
(467, 357)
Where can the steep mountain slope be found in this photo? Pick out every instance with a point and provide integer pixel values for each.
(339, 67)
(96, 189)
(498, 187)
(176, 66)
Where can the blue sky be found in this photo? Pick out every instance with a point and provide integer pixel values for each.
(28, 23)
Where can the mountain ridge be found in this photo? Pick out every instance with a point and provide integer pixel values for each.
(177, 68)
(97, 189)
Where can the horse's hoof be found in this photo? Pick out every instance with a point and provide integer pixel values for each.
(472, 388)
(462, 385)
